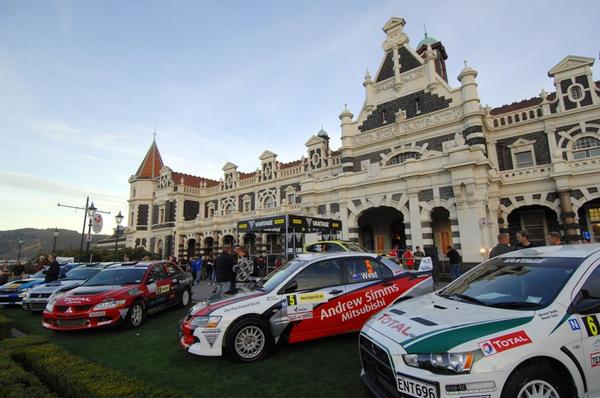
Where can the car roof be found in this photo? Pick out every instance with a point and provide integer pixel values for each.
(575, 251)
(321, 256)
(330, 241)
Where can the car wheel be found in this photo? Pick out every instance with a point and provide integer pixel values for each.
(136, 315)
(248, 340)
(185, 298)
(536, 380)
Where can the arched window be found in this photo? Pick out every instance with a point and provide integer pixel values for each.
(270, 203)
(586, 147)
(402, 157)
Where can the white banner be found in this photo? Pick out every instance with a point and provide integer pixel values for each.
(97, 223)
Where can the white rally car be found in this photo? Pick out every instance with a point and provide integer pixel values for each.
(522, 325)
(314, 296)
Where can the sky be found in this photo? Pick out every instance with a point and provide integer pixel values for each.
(84, 83)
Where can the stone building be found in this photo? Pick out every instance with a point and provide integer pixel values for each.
(423, 163)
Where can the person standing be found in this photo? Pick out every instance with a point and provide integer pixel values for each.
(523, 239)
(4, 274)
(244, 267)
(53, 269)
(419, 253)
(197, 269)
(408, 258)
(210, 269)
(40, 265)
(554, 238)
(225, 275)
(502, 246)
(454, 258)
(18, 270)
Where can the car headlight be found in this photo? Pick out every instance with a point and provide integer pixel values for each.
(205, 321)
(447, 362)
(24, 292)
(109, 304)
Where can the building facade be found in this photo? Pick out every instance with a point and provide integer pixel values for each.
(422, 164)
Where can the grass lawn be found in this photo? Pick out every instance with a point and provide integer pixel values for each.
(328, 367)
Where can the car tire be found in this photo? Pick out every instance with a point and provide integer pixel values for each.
(534, 377)
(185, 298)
(136, 315)
(248, 340)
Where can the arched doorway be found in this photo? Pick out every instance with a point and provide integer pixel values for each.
(208, 245)
(250, 243)
(228, 240)
(380, 228)
(589, 220)
(191, 248)
(536, 220)
(441, 229)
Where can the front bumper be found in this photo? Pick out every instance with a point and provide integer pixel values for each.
(36, 304)
(74, 318)
(380, 373)
(10, 299)
(201, 341)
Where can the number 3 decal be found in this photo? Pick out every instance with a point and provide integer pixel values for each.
(591, 325)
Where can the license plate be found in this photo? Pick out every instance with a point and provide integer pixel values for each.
(416, 388)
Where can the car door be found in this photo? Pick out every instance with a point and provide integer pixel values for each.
(159, 285)
(307, 297)
(588, 323)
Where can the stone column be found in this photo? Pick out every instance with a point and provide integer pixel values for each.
(416, 231)
(567, 215)
(344, 221)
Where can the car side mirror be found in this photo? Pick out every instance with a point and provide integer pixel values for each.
(291, 287)
(150, 280)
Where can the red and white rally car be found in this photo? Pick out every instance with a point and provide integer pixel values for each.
(121, 293)
(310, 297)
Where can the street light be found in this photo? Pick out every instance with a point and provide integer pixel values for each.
(90, 211)
(119, 219)
(55, 233)
(20, 244)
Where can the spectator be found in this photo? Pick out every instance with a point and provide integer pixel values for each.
(554, 238)
(41, 263)
(454, 258)
(18, 270)
(244, 267)
(408, 258)
(523, 239)
(502, 246)
(225, 276)
(394, 251)
(210, 269)
(4, 274)
(53, 269)
(197, 269)
(418, 252)
(260, 266)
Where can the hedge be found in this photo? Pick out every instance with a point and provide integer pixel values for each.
(32, 367)
(5, 327)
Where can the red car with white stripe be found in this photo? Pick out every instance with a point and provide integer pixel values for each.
(124, 293)
(311, 297)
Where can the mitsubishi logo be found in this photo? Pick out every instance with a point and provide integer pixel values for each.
(69, 310)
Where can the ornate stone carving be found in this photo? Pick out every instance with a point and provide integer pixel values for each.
(404, 78)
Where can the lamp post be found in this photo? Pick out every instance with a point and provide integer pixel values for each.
(55, 233)
(91, 210)
(20, 244)
(119, 220)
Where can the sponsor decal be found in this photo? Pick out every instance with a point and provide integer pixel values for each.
(596, 343)
(504, 343)
(574, 324)
(97, 314)
(152, 288)
(242, 306)
(591, 325)
(524, 260)
(299, 312)
(365, 276)
(316, 297)
(123, 312)
(595, 359)
(211, 336)
(76, 299)
(272, 298)
(371, 301)
(456, 387)
(300, 316)
(163, 289)
(543, 315)
(103, 323)
(400, 327)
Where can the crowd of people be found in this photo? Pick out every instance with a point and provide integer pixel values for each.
(523, 242)
(49, 266)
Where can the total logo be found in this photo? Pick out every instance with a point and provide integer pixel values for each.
(76, 299)
(504, 343)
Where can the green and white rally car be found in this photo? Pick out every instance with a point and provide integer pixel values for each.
(524, 325)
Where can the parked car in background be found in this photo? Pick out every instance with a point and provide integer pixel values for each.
(328, 246)
(124, 293)
(12, 293)
(36, 299)
(524, 324)
(312, 296)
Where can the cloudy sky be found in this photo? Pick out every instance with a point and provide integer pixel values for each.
(82, 83)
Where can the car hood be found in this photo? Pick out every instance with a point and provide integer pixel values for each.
(435, 324)
(55, 286)
(93, 294)
(20, 284)
(206, 307)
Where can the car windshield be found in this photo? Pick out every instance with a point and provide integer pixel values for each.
(128, 276)
(80, 273)
(522, 283)
(353, 247)
(274, 279)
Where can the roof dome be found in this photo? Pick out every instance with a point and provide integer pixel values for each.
(427, 40)
(323, 134)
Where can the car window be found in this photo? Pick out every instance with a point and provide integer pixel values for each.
(360, 269)
(334, 247)
(158, 272)
(592, 284)
(322, 274)
(173, 269)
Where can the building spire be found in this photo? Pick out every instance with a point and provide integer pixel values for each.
(152, 163)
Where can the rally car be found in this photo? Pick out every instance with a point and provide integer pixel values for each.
(12, 293)
(525, 324)
(310, 297)
(37, 298)
(327, 246)
(125, 293)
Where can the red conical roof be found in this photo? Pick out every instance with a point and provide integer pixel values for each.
(151, 164)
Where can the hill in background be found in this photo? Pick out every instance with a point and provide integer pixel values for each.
(36, 241)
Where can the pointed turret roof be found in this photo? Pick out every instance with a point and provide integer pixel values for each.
(151, 164)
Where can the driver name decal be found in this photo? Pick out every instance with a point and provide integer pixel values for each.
(504, 343)
(368, 302)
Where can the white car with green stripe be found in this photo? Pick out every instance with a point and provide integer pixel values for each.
(524, 325)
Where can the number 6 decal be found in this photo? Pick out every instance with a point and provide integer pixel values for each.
(591, 325)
